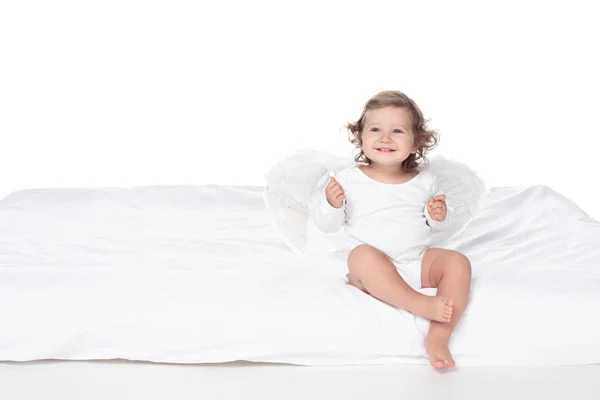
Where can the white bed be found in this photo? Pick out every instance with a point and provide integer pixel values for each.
(196, 274)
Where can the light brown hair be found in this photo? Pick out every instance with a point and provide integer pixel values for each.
(425, 139)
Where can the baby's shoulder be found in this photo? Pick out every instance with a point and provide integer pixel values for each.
(345, 173)
(430, 181)
(426, 174)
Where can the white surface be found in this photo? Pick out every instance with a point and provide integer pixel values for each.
(196, 274)
(126, 380)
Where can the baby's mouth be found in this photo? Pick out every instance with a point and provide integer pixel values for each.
(384, 150)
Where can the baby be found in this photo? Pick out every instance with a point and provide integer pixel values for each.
(389, 209)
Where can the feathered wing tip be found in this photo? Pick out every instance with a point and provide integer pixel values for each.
(463, 180)
(296, 175)
(290, 185)
(286, 219)
(464, 189)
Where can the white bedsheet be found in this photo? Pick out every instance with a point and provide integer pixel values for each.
(195, 274)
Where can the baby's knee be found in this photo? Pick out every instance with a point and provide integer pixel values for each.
(462, 264)
(361, 256)
(360, 252)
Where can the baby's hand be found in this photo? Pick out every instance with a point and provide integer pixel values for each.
(334, 193)
(437, 207)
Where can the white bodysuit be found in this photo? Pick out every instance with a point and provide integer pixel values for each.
(390, 217)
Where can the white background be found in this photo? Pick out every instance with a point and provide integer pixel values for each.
(122, 93)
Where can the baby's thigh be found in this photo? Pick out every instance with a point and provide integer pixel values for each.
(366, 263)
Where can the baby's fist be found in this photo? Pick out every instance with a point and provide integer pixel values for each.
(437, 207)
(334, 193)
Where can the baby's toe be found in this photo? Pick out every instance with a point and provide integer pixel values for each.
(447, 311)
(447, 360)
(437, 363)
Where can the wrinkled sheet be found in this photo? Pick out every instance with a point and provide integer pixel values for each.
(197, 274)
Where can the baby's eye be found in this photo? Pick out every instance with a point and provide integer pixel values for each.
(374, 129)
(397, 131)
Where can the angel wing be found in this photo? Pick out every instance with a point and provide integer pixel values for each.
(291, 183)
(463, 188)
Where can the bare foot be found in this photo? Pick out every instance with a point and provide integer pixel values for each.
(435, 308)
(438, 352)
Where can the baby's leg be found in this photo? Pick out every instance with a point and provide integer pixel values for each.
(372, 271)
(450, 272)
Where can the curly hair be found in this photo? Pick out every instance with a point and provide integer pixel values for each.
(425, 139)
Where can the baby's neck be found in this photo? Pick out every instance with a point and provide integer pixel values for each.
(387, 174)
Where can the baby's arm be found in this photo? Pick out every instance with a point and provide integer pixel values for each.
(327, 217)
(434, 190)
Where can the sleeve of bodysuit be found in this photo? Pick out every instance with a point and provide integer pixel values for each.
(327, 218)
(434, 190)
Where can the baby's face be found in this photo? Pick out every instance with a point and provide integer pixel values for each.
(387, 135)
